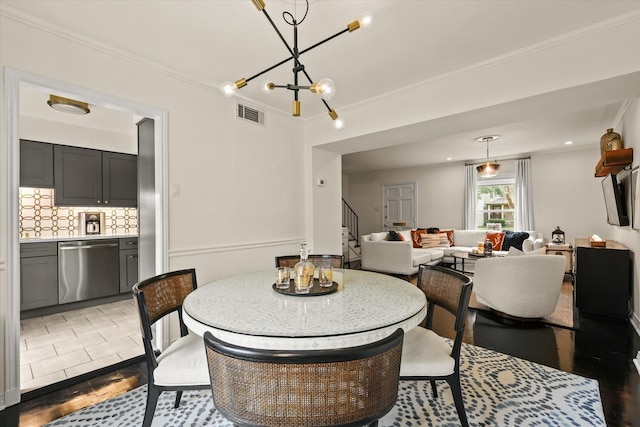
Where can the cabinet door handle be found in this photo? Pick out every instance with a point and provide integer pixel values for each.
(106, 202)
(132, 256)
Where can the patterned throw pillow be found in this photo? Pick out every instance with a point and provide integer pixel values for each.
(394, 236)
(449, 233)
(416, 237)
(496, 238)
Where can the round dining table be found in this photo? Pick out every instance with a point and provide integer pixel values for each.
(246, 310)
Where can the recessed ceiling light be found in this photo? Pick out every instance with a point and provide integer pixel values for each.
(487, 138)
(568, 143)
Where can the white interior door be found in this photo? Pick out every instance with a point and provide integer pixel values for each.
(399, 201)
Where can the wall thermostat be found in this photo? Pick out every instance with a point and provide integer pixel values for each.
(320, 182)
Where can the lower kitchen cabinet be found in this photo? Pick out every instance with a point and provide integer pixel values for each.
(38, 275)
(128, 264)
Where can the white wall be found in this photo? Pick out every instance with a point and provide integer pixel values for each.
(630, 132)
(230, 172)
(327, 204)
(565, 194)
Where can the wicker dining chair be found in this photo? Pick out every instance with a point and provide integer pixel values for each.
(182, 365)
(426, 355)
(301, 388)
(335, 261)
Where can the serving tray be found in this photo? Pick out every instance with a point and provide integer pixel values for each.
(315, 290)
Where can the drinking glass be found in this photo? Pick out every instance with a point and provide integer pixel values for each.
(283, 277)
(302, 281)
(325, 276)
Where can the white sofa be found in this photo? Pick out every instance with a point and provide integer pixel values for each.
(467, 240)
(380, 254)
(520, 286)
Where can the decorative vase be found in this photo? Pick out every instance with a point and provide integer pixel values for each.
(610, 141)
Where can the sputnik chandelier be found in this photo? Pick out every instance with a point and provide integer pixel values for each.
(325, 87)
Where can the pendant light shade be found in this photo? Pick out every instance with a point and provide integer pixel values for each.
(488, 169)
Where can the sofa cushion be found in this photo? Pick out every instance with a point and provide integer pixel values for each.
(515, 239)
(416, 237)
(469, 238)
(513, 251)
(423, 256)
(496, 238)
(394, 236)
(377, 237)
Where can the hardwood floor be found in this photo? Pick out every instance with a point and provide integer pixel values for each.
(602, 349)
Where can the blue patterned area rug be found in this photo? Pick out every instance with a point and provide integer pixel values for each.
(498, 390)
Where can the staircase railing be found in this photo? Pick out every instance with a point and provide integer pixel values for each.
(350, 220)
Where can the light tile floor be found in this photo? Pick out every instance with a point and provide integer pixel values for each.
(64, 345)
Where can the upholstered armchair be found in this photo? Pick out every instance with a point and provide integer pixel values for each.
(526, 286)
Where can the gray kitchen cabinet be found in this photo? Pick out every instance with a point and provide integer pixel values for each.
(36, 164)
(86, 177)
(119, 179)
(38, 275)
(128, 263)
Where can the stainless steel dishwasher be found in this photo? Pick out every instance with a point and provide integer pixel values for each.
(87, 269)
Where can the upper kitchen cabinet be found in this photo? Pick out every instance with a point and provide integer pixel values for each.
(86, 177)
(36, 164)
(119, 179)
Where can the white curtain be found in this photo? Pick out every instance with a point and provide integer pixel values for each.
(524, 199)
(469, 216)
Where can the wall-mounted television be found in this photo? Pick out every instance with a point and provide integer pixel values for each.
(614, 201)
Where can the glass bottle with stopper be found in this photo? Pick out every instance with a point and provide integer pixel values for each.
(303, 272)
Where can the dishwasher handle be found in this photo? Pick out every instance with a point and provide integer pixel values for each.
(100, 245)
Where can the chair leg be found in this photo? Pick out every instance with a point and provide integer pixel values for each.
(178, 397)
(152, 400)
(434, 389)
(456, 390)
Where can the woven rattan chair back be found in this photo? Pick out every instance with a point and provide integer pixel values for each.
(158, 297)
(317, 260)
(299, 388)
(448, 289)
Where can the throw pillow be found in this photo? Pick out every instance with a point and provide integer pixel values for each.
(515, 239)
(416, 237)
(433, 230)
(394, 236)
(496, 238)
(540, 251)
(449, 233)
(435, 241)
(513, 251)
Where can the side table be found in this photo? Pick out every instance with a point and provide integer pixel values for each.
(564, 250)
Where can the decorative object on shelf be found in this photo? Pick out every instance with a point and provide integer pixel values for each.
(610, 141)
(596, 241)
(488, 169)
(557, 236)
(325, 88)
(67, 105)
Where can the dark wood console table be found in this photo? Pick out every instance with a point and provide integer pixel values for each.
(603, 279)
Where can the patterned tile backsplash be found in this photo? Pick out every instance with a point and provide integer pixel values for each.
(39, 217)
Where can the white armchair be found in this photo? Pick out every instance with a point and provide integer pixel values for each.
(526, 286)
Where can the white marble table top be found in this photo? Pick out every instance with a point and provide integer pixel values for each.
(245, 310)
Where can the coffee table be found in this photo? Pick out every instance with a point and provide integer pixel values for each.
(464, 256)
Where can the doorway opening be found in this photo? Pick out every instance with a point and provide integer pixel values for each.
(152, 208)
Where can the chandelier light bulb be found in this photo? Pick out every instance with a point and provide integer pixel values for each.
(366, 20)
(326, 89)
(228, 89)
(267, 86)
(339, 124)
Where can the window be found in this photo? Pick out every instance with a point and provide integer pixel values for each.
(496, 204)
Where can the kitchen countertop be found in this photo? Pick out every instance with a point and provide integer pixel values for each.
(77, 237)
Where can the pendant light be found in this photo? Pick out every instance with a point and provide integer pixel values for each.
(488, 169)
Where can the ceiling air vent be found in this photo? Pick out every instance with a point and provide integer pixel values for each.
(250, 114)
